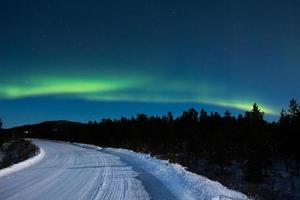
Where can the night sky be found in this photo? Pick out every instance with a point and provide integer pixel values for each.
(85, 60)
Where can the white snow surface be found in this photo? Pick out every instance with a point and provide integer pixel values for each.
(78, 171)
(23, 165)
(184, 184)
(88, 146)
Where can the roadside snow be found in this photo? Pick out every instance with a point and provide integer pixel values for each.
(185, 185)
(87, 146)
(70, 172)
(182, 183)
(22, 165)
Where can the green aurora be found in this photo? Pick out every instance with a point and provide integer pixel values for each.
(125, 88)
(88, 60)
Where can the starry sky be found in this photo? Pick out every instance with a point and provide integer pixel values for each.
(85, 60)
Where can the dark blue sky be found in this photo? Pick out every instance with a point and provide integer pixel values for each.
(84, 60)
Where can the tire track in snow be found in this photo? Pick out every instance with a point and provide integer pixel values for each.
(71, 172)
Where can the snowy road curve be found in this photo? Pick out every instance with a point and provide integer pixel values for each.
(68, 171)
(77, 171)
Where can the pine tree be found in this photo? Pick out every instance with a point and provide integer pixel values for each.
(293, 132)
(190, 115)
(257, 149)
(170, 117)
(256, 114)
(203, 115)
(227, 114)
(293, 109)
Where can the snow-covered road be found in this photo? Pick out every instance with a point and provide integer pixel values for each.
(69, 171)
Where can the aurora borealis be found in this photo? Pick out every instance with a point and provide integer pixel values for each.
(114, 58)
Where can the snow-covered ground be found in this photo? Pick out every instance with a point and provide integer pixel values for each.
(77, 171)
(22, 165)
(184, 184)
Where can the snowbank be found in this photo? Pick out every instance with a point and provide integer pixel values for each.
(185, 185)
(23, 165)
(182, 183)
(87, 146)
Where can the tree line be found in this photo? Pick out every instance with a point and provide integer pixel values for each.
(221, 139)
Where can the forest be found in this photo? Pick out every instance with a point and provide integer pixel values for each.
(221, 140)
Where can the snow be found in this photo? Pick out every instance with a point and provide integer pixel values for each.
(23, 165)
(88, 146)
(72, 172)
(184, 184)
(79, 171)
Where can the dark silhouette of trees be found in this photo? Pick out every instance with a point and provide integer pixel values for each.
(220, 139)
(293, 110)
(256, 146)
(289, 124)
(1, 135)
